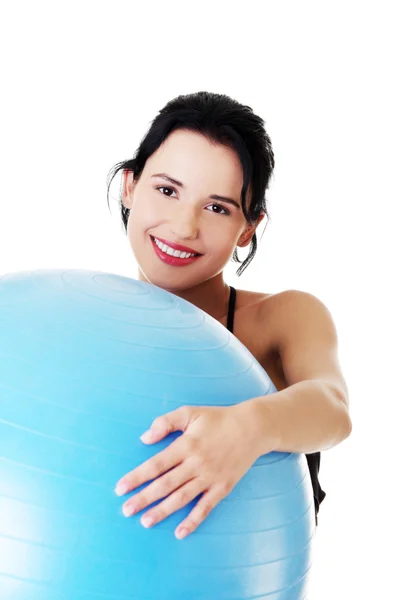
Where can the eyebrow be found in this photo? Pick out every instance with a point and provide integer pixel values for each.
(212, 196)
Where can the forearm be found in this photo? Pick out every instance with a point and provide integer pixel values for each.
(306, 417)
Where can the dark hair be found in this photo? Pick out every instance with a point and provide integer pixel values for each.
(223, 120)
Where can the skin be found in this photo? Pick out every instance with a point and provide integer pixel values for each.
(218, 444)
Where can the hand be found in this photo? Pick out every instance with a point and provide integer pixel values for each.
(217, 448)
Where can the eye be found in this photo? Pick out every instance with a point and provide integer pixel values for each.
(223, 208)
(163, 187)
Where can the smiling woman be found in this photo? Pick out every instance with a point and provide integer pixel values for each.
(194, 193)
(216, 153)
(197, 212)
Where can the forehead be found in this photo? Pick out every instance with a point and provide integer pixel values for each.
(189, 155)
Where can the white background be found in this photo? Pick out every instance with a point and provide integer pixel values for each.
(81, 82)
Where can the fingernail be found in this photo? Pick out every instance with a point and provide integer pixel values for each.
(181, 533)
(128, 510)
(147, 521)
(147, 436)
(121, 489)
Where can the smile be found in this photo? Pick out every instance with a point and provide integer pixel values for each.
(169, 256)
(167, 250)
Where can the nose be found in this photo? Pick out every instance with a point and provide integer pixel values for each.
(184, 223)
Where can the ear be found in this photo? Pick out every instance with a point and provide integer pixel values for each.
(129, 186)
(248, 233)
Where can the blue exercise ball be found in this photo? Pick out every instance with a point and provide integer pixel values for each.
(87, 360)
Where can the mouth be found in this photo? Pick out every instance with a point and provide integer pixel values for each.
(172, 257)
(174, 246)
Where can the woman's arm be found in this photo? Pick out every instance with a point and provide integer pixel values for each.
(312, 413)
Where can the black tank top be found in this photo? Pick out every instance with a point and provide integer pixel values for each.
(313, 459)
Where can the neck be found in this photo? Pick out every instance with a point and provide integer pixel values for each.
(211, 296)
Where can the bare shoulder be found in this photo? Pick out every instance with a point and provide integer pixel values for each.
(295, 309)
(303, 331)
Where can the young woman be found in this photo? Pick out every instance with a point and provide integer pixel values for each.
(193, 193)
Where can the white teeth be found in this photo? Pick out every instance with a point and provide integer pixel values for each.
(172, 252)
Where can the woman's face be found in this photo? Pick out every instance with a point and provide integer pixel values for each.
(185, 214)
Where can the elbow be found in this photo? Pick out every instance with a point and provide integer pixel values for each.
(346, 425)
(342, 401)
(349, 426)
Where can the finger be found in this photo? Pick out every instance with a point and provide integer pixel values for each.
(159, 488)
(176, 420)
(173, 502)
(151, 468)
(204, 506)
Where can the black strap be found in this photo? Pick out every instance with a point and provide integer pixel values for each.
(231, 308)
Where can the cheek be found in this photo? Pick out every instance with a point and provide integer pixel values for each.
(222, 240)
(141, 221)
(145, 212)
(138, 218)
